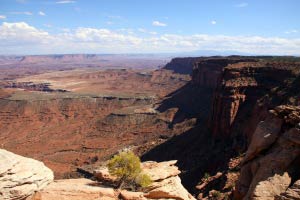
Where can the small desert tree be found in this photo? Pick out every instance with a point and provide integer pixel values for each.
(127, 167)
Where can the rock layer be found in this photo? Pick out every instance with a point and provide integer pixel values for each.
(20, 177)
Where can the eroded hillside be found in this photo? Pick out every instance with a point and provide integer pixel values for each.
(71, 118)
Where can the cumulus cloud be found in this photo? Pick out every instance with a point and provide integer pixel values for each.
(241, 5)
(158, 23)
(20, 38)
(213, 22)
(65, 2)
(42, 13)
(2, 17)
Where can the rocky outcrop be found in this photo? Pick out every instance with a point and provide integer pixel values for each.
(20, 177)
(268, 165)
(166, 182)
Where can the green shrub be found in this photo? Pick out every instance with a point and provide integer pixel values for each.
(126, 166)
(206, 176)
(143, 180)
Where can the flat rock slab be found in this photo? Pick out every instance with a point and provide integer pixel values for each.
(75, 189)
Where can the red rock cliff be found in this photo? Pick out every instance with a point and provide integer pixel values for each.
(239, 87)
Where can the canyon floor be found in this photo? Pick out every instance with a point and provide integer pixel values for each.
(69, 118)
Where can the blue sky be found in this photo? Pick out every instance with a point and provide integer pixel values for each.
(149, 26)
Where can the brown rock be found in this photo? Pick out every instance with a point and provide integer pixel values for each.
(265, 175)
(265, 135)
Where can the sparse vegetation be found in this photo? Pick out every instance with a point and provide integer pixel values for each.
(127, 167)
(206, 176)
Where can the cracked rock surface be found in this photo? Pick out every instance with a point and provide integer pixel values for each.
(20, 177)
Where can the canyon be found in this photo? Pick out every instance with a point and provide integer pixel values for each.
(223, 118)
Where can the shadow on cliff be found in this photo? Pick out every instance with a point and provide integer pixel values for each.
(196, 151)
(192, 102)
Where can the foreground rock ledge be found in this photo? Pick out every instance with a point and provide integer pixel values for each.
(20, 177)
(166, 185)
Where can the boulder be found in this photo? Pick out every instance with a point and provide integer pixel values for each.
(170, 188)
(20, 177)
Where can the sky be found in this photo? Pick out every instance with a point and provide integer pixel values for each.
(261, 27)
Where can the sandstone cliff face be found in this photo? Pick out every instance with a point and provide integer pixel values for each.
(239, 92)
(20, 177)
(239, 88)
(271, 161)
(207, 71)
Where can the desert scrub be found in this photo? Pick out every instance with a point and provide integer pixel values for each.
(206, 177)
(126, 166)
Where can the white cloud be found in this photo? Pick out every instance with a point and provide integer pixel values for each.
(20, 38)
(2, 17)
(65, 2)
(241, 5)
(109, 23)
(158, 23)
(213, 22)
(291, 31)
(21, 13)
(42, 13)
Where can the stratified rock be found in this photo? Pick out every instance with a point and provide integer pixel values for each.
(75, 189)
(291, 193)
(20, 177)
(170, 188)
(160, 170)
